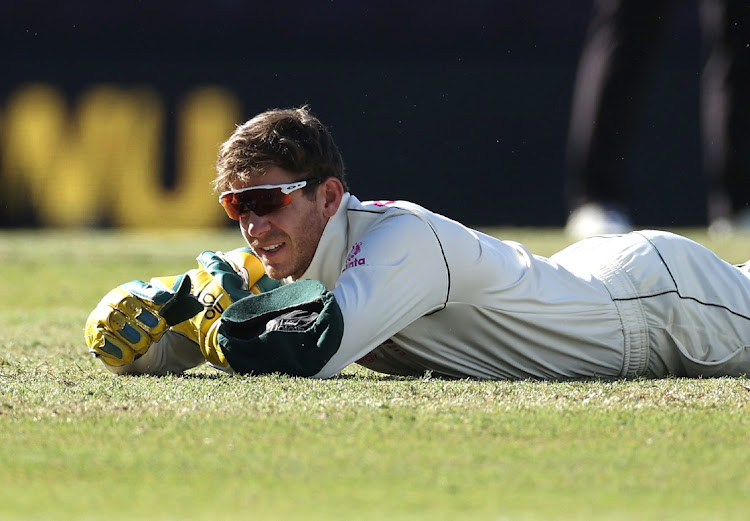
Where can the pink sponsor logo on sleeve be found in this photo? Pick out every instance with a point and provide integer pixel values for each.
(354, 258)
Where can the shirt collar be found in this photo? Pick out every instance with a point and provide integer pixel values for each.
(330, 254)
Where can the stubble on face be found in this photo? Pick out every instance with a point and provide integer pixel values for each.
(299, 238)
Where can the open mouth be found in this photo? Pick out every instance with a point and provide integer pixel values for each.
(272, 248)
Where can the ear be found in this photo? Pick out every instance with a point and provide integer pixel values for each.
(330, 193)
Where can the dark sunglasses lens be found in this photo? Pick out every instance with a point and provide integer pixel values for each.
(261, 202)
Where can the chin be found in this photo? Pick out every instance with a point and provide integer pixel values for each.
(276, 274)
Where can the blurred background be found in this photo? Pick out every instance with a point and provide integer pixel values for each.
(111, 113)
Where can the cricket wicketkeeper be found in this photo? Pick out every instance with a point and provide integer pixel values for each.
(328, 281)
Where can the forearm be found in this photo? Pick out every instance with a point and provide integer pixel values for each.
(172, 354)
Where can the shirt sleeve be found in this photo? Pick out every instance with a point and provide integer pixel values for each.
(172, 354)
(395, 274)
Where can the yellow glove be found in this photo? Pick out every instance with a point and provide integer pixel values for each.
(220, 280)
(133, 316)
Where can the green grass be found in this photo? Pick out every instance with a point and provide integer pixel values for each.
(79, 443)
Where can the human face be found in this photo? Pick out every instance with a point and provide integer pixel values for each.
(285, 239)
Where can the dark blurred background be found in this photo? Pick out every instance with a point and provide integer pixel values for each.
(461, 107)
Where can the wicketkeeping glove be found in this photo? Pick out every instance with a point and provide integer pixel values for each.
(133, 316)
(220, 280)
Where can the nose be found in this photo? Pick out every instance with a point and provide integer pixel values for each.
(255, 225)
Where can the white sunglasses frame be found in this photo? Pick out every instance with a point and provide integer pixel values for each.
(286, 188)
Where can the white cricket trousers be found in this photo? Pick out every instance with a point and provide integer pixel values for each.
(684, 311)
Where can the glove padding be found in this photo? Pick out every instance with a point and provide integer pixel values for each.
(134, 315)
(220, 280)
(127, 321)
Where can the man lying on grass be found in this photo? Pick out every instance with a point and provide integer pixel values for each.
(328, 281)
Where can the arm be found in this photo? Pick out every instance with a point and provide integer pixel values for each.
(405, 277)
(173, 353)
(402, 276)
(135, 316)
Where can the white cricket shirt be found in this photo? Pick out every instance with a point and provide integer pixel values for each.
(421, 292)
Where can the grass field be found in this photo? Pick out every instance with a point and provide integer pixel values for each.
(79, 443)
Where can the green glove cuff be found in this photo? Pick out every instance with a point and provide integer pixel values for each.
(224, 273)
(184, 305)
(179, 304)
(294, 329)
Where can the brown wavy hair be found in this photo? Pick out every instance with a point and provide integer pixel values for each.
(292, 139)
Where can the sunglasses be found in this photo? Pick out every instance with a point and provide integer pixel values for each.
(261, 200)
